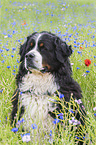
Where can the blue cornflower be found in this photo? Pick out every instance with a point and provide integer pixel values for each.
(61, 116)
(78, 67)
(18, 61)
(61, 96)
(77, 137)
(1, 91)
(14, 130)
(79, 52)
(75, 46)
(87, 71)
(20, 93)
(50, 131)
(13, 49)
(8, 66)
(12, 56)
(2, 61)
(56, 121)
(50, 134)
(7, 49)
(14, 32)
(71, 111)
(9, 35)
(20, 121)
(95, 114)
(34, 126)
(14, 74)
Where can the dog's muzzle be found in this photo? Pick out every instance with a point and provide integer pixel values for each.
(33, 60)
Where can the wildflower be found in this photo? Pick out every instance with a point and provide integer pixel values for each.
(12, 56)
(5, 36)
(14, 74)
(13, 49)
(72, 64)
(50, 134)
(9, 35)
(74, 121)
(14, 130)
(56, 121)
(95, 114)
(2, 61)
(14, 32)
(60, 116)
(81, 47)
(71, 111)
(18, 61)
(84, 75)
(77, 137)
(94, 108)
(7, 49)
(87, 62)
(78, 67)
(34, 126)
(20, 121)
(1, 91)
(20, 93)
(83, 107)
(78, 101)
(24, 23)
(79, 52)
(26, 137)
(87, 71)
(8, 67)
(61, 96)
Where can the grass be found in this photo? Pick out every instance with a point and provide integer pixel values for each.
(74, 21)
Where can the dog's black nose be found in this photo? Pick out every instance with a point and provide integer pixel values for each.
(29, 56)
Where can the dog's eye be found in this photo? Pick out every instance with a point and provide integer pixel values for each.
(41, 44)
(32, 44)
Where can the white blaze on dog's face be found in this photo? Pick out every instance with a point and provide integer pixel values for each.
(44, 50)
(33, 58)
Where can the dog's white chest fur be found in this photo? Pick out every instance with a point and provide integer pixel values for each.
(35, 98)
(38, 83)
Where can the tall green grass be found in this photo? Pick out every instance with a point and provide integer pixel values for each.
(72, 20)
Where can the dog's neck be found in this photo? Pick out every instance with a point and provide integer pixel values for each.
(38, 83)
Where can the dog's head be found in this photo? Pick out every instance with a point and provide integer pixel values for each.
(44, 50)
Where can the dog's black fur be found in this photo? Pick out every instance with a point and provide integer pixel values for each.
(58, 65)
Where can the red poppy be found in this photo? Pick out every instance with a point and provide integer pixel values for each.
(24, 23)
(87, 62)
(81, 47)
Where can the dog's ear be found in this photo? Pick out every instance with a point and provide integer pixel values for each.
(62, 50)
(22, 51)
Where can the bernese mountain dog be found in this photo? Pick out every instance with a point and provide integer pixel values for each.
(44, 81)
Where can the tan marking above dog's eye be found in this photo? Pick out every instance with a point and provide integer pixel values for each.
(31, 44)
(41, 44)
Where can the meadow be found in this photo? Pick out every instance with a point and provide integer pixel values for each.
(72, 20)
